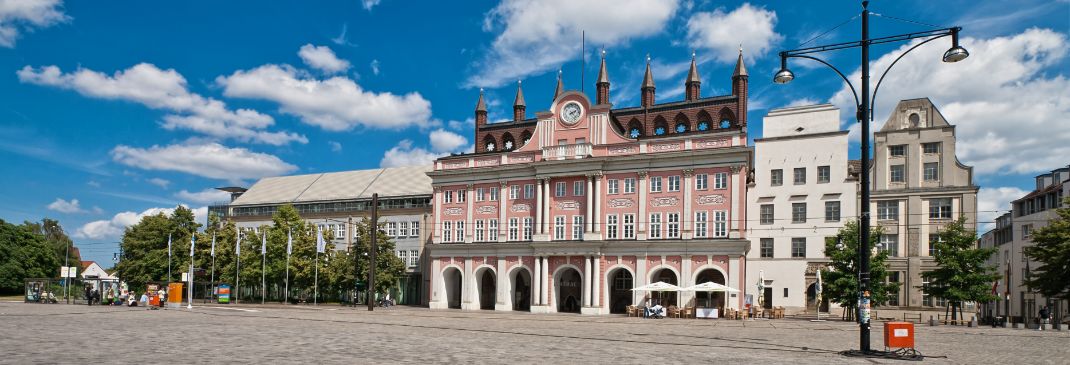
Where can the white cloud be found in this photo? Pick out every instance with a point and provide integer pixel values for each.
(335, 146)
(113, 228)
(537, 36)
(446, 141)
(322, 58)
(19, 16)
(1007, 102)
(205, 196)
(405, 154)
(159, 182)
(337, 103)
(369, 4)
(722, 33)
(64, 206)
(93, 183)
(803, 102)
(375, 67)
(210, 160)
(152, 87)
(461, 125)
(993, 202)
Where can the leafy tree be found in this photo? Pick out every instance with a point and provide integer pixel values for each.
(961, 275)
(1051, 249)
(24, 254)
(389, 269)
(841, 282)
(144, 246)
(57, 238)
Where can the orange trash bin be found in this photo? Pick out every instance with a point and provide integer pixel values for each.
(899, 335)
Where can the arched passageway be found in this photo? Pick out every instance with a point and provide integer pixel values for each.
(620, 290)
(569, 291)
(453, 279)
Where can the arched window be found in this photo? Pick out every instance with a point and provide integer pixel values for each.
(489, 144)
(525, 137)
(508, 143)
(704, 121)
(703, 126)
(725, 123)
(635, 129)
(727, 118)
(682, 125)
(660, 127)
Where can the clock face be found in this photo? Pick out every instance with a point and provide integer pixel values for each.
(570, 114)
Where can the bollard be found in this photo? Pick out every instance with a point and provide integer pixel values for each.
(932, 321)
(973, 322)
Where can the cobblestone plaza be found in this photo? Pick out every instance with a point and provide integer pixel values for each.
(331, 334)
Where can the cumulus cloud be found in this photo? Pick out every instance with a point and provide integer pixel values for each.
(405, 154)
(64, 206)
(210, 160)
(369, 4)
(446, 141)
(1008, 99)
(113, 228)
(159, 182)
(993, 202)
(537, 36)
(322, 58)
(336, 104)
(722, 33)
(206, 196)
(167, 90)
(20, 16)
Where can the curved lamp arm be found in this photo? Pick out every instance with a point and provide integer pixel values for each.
(853, 92)
(873, 100)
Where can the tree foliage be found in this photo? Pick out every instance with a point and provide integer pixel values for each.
(961, 274)
(145, 251)
(1051, 249)
(841, 281)
(25, 253)
(389, 269)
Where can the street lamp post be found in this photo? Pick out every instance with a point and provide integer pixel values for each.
(864, 107)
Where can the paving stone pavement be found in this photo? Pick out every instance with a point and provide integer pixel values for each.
(36, 333)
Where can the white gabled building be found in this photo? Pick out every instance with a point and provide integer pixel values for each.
(801, 193)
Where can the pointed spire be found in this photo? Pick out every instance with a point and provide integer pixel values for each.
(603, 77)
(740, 69)
(692, 75)
(648, 79)
(560, 86)
(481, 106)
(519, 101)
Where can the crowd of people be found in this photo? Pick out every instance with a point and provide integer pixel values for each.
(117, 297)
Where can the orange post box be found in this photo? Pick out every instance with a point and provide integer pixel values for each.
(174, 294)
(899, 334)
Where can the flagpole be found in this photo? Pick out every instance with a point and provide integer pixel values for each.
(289, 245)
(168, 258)
(211, 284)
(316, 291)
(192, 244)
(237, 264)
(263, 267)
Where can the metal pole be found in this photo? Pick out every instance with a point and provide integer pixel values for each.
(236, 291)
(189, 301)
(212, 283)
(316, 286)
(67, 278)
(374, 233)
(864, 117)
(286, 296)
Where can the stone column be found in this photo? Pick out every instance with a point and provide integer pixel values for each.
(640, 226)
(538, 207)
(733, 229)
(436, 232)
(468, 195)
(686, 279)
(598, 203)
(536, 282)
(468, 286)
(687, 222)
(503, 205)
(596, 280)
(505, 301)
(589, 211)
(438, 294)
(587, 281)
(545, 280)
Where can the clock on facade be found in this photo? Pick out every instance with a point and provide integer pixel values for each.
(570, 113)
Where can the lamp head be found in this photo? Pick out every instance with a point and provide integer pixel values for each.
(784, 75)
(956, 52)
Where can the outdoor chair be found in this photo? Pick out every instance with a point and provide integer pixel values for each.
(633, 311)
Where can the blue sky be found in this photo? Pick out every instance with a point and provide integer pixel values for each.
(113, 110)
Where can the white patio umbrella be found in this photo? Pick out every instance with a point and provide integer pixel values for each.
(658, 287)
(710, 287)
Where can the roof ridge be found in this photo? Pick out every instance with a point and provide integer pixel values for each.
(307, 187)
(370, 183)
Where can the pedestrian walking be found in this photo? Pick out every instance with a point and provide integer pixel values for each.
(1044, 316)
(88, 294)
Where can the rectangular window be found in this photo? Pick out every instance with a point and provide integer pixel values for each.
(528, 228)
(655, 184)
(926, 300)
(577, 227)
(614, 186)
(514, 229)
(798, 212)
(893, 298)
(776, 177)
(479, 230)
(1027, 230)
(898, 174)
(629, 185)
(940, 208)
(459, 226)
(673, 220)
(785, 292)
(655, 225)
(766, 214)
(934, 239)
(447, 231)
(529, 191)
(403, 255)
(514, 192)
(832, 211)
(559, 228)
(824, 174)
(932, 147)
(480, 194)
(492, 230)
(577, 188)
(392, 229)
(701, 225)
(629, 226)
(798, 247)
(888, 210)
(766, 250)
(674, 183)
(720, 223)
(932, 171)
(560, 189)
(403, 229)
(720, 180)
(414, 258)
(461, 195)
(890, 242)
(800, 176)
(897, 150)
(340, 231)
(447, 196)
(611, 226)
(701, 181)
(414, 229)
(492, 194)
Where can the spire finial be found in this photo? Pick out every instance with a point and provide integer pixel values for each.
(648, 58)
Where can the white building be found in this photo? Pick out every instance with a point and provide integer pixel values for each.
(801, 194)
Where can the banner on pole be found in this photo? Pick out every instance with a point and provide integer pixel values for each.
(168, 245)
(213, 245)
(192, 243)
(321, 244)
(289, 243)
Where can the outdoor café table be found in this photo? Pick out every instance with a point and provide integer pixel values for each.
(702, 312)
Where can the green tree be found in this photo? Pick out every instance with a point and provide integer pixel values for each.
(389, 269)
(961, 274)
(1051, 249)
(144, 246)
(24, 254)
(841, 282)
(57, 238)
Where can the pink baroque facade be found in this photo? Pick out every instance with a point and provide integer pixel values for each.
(573, 209)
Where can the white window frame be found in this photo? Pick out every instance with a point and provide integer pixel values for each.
(577, 227)
(529, 227)
(629, 185)
(480, 194)
(514, 229)
(654, 226)
(492, 194)
(514, 192)
(492, 230)
(560, 189)
(720, 223)
(529, 191)
(612, 186)
(447, 231)
(702, 181)
(824, 174)
(391, 229)
(462, 195)
(459, 226)
(559, 228)
(414, 229)
(628, 226)
(720, 181)
(479, 226)
(340, 231)
(578, 187)
(414, 258)
(674, 183)
(672, 225)
(701, 226)
(655, 184)
(403, 229)
(611, 226)
(447, 196)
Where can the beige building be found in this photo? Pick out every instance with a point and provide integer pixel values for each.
(919, 186)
